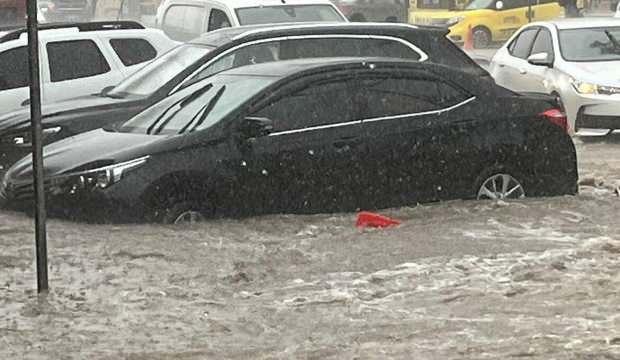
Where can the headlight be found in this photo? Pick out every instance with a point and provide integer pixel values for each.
(24, 139)
(455, 20)
(100, 178)
(587, 88)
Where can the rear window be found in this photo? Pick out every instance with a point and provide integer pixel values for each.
(133, 51)
(287, 13)
(14, 68)
(76, 59)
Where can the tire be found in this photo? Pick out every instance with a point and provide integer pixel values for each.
(482, 37)
(181, 213)
(499, 184)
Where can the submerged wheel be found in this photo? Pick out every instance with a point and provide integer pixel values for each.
(499, 187)
(182, 213)
(482, 37)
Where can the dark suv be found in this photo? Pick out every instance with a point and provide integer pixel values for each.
(311, 135)
(220, 50)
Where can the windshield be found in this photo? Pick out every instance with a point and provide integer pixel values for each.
(287, 14)
(158, 72)
(198, 106)
(593, 44)
(479, 4)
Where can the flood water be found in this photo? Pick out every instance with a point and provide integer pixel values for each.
(535, 279)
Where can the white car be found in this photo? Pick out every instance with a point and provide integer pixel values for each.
(76, 59)
(575, 60)
(184, 20)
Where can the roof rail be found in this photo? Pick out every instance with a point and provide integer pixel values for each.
(86, 26)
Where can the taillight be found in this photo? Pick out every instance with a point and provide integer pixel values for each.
(557, 117)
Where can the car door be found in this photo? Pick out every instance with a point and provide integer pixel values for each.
(75, 68)
(537, 77)
(309, 162)
(510, 70)
(546, 10)
(409, 152)
(14, 78)
(183, 22)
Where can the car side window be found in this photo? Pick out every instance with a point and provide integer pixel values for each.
(306, 48)
(133, 51)
(14, 68)
(543, 43)
(183, 22)
(515, 4)
(322, 103)
(218, 20)
(400, 94)
(334, 47)
(521, 45)
(75, 59)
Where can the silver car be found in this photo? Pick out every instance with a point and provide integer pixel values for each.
(575, 60)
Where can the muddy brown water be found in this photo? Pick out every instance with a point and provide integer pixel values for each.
(535, 279)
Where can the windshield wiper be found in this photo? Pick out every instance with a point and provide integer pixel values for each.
(207, 110)
(613, 39)
(181, 104)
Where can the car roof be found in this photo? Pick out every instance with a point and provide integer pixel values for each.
(235, 4)
(285, 68)
(579, 23)
(63, 29)
(221, 36)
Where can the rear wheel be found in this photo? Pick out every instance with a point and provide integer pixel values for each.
(500, 186)
(481, 37)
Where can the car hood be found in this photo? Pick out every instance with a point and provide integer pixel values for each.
(68, 108)
(597, 72)
(91, 150)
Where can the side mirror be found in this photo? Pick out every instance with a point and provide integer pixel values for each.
(540, 59)
(253, 126)
(499, 5)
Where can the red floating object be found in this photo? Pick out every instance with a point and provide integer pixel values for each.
(369, 219)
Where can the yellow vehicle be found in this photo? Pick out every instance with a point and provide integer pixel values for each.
(490, 20)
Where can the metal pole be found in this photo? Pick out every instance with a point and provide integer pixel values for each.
(529, 11)
(37, 152)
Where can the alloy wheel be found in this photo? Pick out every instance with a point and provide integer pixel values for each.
(499, 187)
(189, 217)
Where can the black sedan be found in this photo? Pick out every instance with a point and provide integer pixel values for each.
(217, 51)
(309, 135)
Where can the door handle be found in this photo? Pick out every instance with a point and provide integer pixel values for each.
(26, 102)
(522, 71)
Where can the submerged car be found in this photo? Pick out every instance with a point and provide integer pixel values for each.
(577, 61)
(305, 136)
(221, 50)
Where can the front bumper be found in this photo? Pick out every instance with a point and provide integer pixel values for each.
(98, 205)
(597, 112)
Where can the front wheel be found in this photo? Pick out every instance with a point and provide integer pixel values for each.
(500, 186)
(182, 213)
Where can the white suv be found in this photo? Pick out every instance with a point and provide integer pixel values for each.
(186, 19)
(76, 59)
